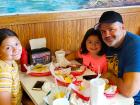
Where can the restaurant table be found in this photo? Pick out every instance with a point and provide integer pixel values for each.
(28, 81)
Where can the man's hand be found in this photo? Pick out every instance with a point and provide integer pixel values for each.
(128, 85)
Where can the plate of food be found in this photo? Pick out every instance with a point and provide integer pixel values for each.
(75, 69)
(38, 70)
(63, 78)
(63, 75)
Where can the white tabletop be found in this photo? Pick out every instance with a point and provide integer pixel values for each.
(37, 96)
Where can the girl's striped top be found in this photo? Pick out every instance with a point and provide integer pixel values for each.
(9, 81)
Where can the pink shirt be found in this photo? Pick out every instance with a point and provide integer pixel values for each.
(93, 63)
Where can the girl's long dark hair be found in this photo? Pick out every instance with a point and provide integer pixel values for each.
(92, 32)
(5, 32)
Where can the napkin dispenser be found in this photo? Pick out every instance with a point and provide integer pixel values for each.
(39, 52)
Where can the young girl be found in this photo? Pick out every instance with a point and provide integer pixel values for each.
(10, 50)
(92, 51)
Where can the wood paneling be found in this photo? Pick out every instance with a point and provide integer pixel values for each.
(64, 29)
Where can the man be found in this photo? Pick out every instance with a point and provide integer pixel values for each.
(124, 54)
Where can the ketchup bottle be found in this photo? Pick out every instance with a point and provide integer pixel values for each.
(23, 59)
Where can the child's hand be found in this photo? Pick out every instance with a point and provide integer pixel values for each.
(70, 55)
(67, 52)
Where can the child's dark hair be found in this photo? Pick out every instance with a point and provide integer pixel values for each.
(92, 32)
(5, 32)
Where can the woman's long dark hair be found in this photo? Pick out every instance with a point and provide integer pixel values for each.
(92, 32)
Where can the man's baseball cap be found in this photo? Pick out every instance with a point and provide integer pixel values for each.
(110, 17)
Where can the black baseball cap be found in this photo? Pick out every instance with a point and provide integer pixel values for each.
(110, 17)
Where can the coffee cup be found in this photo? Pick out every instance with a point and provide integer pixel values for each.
(60, 55)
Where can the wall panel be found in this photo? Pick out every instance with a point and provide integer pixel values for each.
(64, 30)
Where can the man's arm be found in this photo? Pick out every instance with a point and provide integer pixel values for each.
(129, 85)
(5, 98)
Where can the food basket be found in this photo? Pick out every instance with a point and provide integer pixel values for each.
(111, 91)
(38, 70)
(54, 93)
(77, 70)
(81, 89)
(63, 76)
